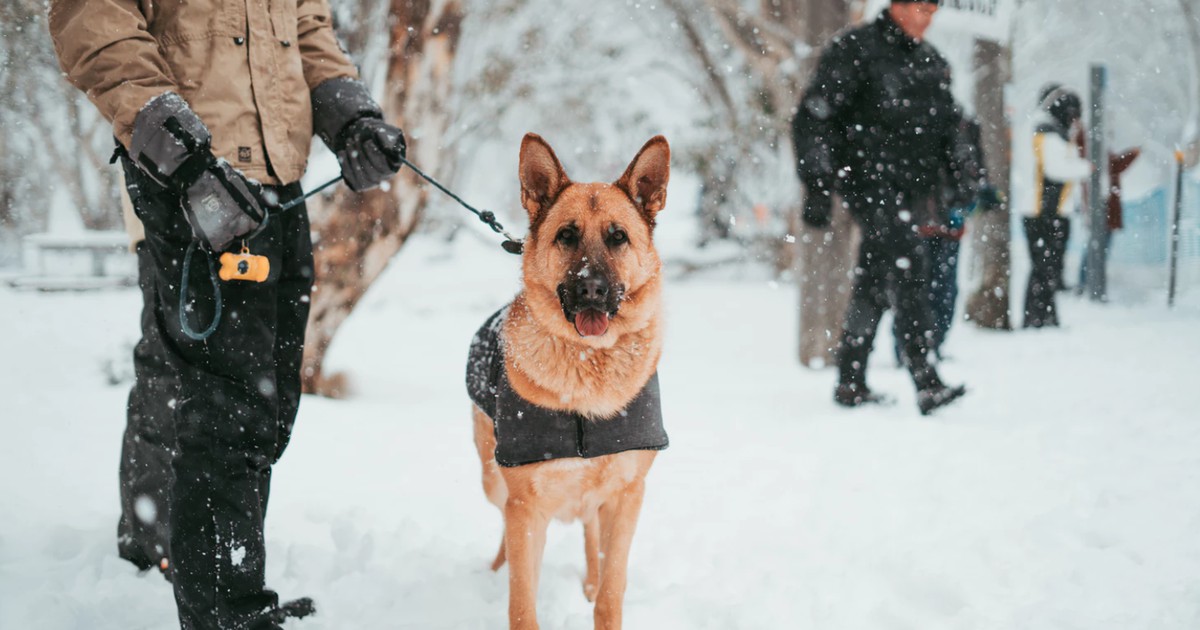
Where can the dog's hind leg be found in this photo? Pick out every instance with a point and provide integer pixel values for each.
(591, 548)
(618, 520)
(499, 561)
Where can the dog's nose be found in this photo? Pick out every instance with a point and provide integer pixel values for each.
(590, 289)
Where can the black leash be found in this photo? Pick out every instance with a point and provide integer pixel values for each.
(510, 245)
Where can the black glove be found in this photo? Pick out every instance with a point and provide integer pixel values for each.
(369, 153)
(222, 205)
(818, 204)
(351, 124)
(172, 145)
(990, 199)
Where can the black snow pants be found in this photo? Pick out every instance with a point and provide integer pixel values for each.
(236, 401)
(149, 443)
(1047, 237)
(890, 273)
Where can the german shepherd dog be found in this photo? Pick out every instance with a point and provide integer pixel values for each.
(584, 337)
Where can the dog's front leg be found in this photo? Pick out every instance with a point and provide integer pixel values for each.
(524, 541)
(618, 520)
(591, 550)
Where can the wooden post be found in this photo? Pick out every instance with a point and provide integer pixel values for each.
(988, 305)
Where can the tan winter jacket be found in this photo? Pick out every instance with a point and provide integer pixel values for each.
(246, 68)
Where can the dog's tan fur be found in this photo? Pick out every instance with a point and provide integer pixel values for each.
(549, 363)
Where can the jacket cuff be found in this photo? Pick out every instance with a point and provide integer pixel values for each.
(170, 142)
(338, 102)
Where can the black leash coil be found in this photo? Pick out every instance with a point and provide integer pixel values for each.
(188, 331)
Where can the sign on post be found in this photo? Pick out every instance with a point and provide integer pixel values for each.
(986, 19)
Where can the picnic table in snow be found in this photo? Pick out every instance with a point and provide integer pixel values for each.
(100, 247)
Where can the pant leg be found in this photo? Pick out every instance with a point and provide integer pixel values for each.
(226, 419)
(295, 289)
(943, 286)
(1040, 307)
(910, 297)
(868, 300)
(149, 441)
(293, 302)
(1060, 233)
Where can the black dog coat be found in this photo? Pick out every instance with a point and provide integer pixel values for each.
(527, 433)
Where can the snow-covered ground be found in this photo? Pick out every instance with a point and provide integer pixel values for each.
(1063, 492)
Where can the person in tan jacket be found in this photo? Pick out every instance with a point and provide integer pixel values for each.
(214, 104)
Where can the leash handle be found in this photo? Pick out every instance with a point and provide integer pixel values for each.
(188, 331)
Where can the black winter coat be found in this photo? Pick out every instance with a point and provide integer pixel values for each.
(878, 117)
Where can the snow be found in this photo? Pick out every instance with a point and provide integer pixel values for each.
(1063, 492)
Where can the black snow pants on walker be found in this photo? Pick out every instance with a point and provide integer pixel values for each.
(891, 273)
(237, 397)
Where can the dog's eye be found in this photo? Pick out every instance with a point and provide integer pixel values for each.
(567, 237)
(617, 236)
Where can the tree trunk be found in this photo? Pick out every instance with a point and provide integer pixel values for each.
(827, 259)
(826, 255)
(990, 232)
(358, 234)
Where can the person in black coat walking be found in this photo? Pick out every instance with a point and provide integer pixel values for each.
(878, 125)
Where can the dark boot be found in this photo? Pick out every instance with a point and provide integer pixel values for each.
(852, 390)
(273, 618)
(935, 397)
(854, 395)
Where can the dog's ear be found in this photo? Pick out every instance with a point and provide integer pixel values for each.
(542, 176)
(645, 181)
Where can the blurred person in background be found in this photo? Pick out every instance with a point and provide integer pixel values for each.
(1117, 165)
(1058, 168)
(878, 125)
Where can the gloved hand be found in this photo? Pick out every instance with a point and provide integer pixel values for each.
(369, 152)
(957, 218)
(351, 124)
(172, 145)
(222, 205)
(818, 204)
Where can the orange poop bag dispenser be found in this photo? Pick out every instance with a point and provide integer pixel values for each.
(244, 266)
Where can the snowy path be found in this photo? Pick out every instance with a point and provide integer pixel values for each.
(1064, 492)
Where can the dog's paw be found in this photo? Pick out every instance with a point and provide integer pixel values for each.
(590, 588)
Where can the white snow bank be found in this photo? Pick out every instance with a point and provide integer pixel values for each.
(1063, 492)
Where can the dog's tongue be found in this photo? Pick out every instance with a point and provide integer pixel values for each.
(591, 323)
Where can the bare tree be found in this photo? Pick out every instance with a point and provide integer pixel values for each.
(50, 137)
(988, 305)
(358, 234)
(826, 255)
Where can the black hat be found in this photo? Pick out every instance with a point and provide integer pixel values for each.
(1062, 104)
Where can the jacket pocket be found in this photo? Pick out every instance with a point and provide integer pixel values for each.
(283, 21)
(175, 21)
